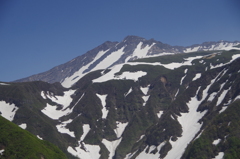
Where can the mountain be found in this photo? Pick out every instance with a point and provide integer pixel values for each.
(135, 99)
(111, 53)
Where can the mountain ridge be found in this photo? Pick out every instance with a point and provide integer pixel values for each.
(131, 48)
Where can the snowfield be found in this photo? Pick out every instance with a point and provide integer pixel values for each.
(104, 109)
(52, 111)
(124, 76)
(62, 128)
(189, 123)
(7, 110)
(83, 150)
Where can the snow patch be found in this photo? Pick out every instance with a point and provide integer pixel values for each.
(145, 89)
(39, 137)
(159, 114)
(131, 75)
(185, 71)
(145, 99)
(51, 110)
(145, 92)
(223, 109)
(197, 76)
(216, 142)
(144, 155)
(125, 75)
(62, 128)
(129, 91)
(5, 84)
(120, 128)
(109, 60)
(88, 152)
(23, 125)
(173, 65)
(190, 125)
(222, 96)
(69, 81)
(111, 146)
(139, 52)
(212, 96)
(1, 152)
(219, 156)
(7, 110)
(141, 137)
(103, 101)
(86, 129)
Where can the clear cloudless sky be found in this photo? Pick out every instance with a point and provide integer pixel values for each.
(37, 35)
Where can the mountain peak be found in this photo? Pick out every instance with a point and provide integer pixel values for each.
(131, 38)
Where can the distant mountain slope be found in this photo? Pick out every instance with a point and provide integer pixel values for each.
(18, 143)
(169, 106)
(111, 53)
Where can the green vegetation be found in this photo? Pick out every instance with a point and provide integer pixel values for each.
(20, 144)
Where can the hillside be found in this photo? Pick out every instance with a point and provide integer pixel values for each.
(17, 143)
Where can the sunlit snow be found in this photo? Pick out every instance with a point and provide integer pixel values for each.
(23, 125)
(217, 141)
(144, 155)
(69, 81)
(39, 137)
(129, 91)
(145, 99)
(185, 71)
(190, 125)
(222, 96)
(51, 110)
(89, 151)
(197, 76)
(159, 114)
(173, 65)
(140, 52)
(219, 156)
(62, 128)
(125, 75)
(7, 110)
(1, 152)
(4, 84)
(112, 145)
(109, 60)
(104, 109)
(145, 89)
(120, 128)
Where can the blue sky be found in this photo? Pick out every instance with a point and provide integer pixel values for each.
(36, 35)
